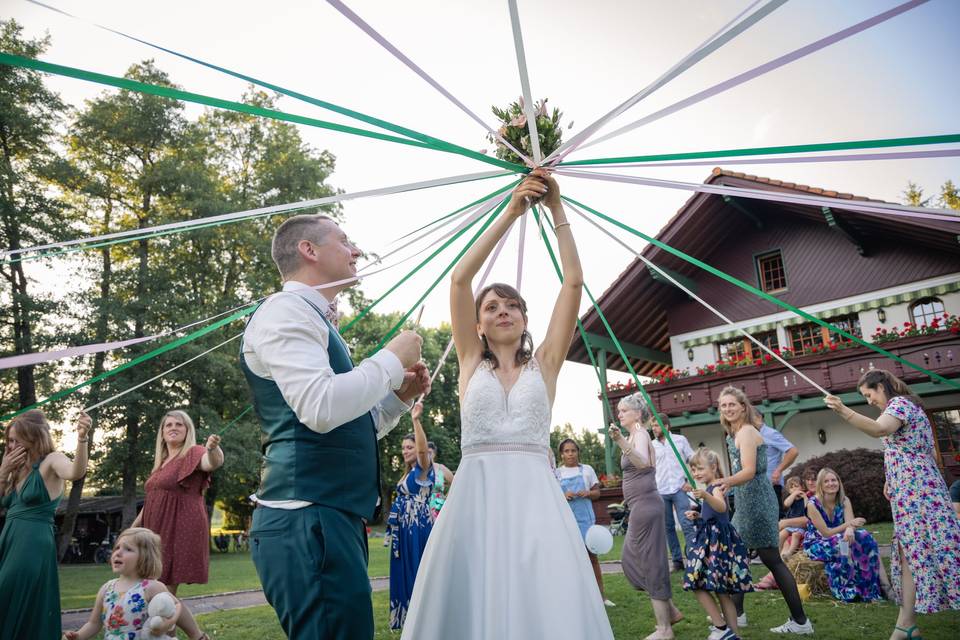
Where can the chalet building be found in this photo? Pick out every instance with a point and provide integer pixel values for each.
(888, 279)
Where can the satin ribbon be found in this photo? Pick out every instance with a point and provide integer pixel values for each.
(528, 109)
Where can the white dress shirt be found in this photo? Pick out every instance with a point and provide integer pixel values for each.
(670, 477)
(286, 341)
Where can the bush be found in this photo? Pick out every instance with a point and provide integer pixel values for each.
(861, 471)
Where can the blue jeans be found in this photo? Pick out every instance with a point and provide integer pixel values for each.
(682, 504)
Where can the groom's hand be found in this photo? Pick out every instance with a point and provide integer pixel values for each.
(406, 346)
(416, 381)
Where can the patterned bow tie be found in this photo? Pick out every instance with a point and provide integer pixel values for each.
(332, 315)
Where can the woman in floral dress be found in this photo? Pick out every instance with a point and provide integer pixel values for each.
(410, 520)
(853, 569)
(926, 529)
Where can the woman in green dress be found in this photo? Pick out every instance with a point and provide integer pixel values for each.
(757, 510)
(32, 479)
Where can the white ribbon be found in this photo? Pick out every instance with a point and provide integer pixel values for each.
(528, 109)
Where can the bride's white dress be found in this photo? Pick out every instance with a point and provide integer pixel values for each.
(505, 559)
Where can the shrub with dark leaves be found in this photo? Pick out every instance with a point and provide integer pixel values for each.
(861, 471)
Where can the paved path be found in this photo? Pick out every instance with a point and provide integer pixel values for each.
(74, 618)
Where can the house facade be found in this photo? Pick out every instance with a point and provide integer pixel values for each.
(888, 279)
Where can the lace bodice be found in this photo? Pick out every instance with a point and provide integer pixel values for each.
(490, 416)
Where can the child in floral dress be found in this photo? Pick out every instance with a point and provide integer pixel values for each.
(121, 605)
(717, 561)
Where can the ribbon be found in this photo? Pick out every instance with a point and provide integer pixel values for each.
(852, 157)
(945, 215)
(383, 42)
(763, 294)
(710, 45)
(793, 148)
(440, 145)
(525, 83)
(764, 68)
(703, 302)
(263, 211)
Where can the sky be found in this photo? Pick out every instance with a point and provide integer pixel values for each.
(894, 80)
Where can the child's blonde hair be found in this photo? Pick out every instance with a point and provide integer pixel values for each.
(149, 555)
(794, 480)
(706, 458)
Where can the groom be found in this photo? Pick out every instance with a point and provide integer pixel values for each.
(321, 418)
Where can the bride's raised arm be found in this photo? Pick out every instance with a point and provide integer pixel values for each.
(463, 314)
(556, 343)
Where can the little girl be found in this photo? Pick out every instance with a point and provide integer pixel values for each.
(794, 522)
(121, 606)
(717, 561)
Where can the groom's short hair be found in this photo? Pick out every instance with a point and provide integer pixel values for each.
(288, 235)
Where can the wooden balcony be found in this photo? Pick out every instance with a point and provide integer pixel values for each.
(837, 371)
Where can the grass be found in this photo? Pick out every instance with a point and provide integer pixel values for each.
(79, 583)
(633, 617)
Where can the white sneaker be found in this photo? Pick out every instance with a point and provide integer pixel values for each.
(741, 620)
(722, 634)
(792, 626)
(609, 603)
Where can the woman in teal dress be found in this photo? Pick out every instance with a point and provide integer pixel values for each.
(32, 479)
(757, 513)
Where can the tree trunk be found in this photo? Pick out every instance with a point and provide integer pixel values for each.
(100, 335)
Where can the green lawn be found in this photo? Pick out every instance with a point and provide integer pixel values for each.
(228, 572)
(632, 617)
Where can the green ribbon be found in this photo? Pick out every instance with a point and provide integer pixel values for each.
(760, 151)
(436, 143)
(138, 360)
(763, 294)
(187, 96)
(443, 274)
(663, 429)
(446, 244)
(235, 420)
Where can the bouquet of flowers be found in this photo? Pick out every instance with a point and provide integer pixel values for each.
(513, 129)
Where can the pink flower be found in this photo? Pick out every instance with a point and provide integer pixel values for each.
(542, 111)
(519, 121)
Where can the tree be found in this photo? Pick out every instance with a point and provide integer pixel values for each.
(949, 197)
(29, 213)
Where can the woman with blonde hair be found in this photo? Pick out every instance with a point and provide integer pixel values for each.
(849, 554)
(32, 477)
(756, 518)
(925, 562)
(174, 507)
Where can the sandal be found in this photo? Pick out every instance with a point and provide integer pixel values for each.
(909, 632)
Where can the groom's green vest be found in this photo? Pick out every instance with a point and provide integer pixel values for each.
(338, 469)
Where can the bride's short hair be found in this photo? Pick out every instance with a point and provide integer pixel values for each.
(525, 352)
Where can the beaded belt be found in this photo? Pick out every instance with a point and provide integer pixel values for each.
(504, 447)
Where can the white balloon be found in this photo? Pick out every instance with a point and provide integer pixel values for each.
(599, 540)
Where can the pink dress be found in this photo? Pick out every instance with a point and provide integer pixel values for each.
(924, 522)
(174, 510)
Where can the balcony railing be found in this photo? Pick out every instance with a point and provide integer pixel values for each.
(837, 371)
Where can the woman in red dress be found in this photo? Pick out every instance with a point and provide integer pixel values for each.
(174, 507)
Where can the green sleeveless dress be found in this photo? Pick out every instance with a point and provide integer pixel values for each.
(29, 585)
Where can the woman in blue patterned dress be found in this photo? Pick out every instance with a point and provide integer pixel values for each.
(410, 519)
(925, 563)
(850, 555)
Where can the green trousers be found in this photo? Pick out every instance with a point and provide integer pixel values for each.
(312, 563)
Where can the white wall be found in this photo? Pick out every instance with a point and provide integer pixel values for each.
(900, 313)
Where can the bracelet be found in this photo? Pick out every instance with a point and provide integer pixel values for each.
(562, 224)
(84, 440)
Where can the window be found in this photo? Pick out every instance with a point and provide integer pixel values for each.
(812, 334)
(923, 311)
(739, 348)
(772, 275)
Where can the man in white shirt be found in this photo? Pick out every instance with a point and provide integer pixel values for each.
(670, 482)
(321, 418)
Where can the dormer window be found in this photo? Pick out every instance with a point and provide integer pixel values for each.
(773, 278)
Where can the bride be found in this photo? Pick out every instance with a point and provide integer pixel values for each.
(505, 559)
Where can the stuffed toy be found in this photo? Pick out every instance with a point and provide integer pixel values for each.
(162, 607)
